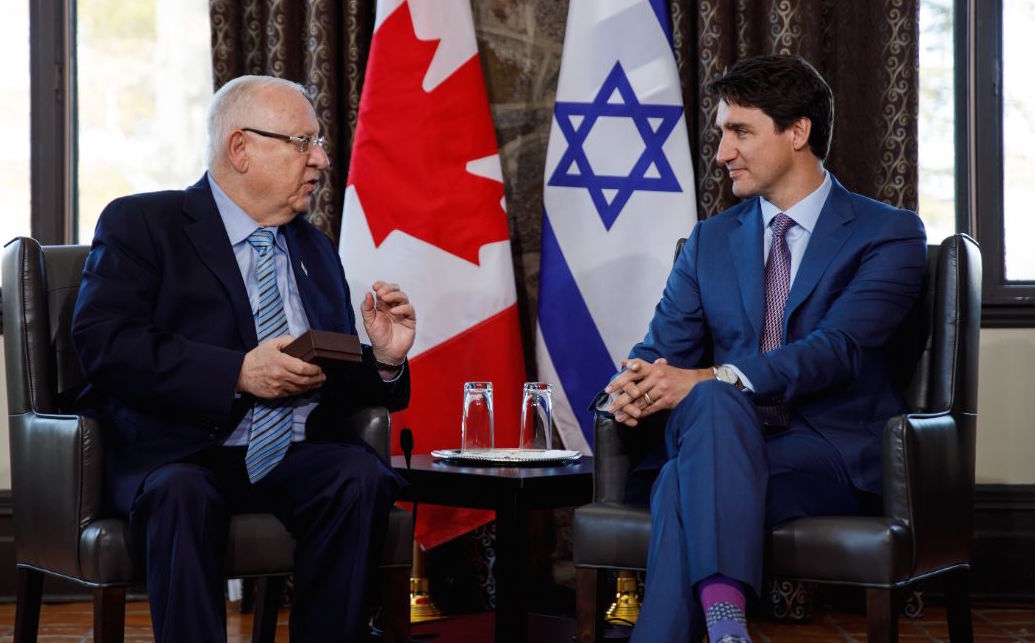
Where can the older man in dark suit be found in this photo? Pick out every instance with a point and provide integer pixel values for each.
(187, 299)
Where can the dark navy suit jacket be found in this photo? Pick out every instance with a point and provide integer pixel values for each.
(859, 277)
(162, 324)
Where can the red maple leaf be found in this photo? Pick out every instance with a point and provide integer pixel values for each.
(411, 148)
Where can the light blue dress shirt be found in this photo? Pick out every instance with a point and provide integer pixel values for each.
(239, 226)
(805, 214)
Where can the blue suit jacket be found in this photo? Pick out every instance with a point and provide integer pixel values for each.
(859, 277)
(162, 323)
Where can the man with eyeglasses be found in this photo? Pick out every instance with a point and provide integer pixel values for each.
(187, 299)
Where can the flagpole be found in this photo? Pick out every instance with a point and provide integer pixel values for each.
(626, 608)
(422, 608)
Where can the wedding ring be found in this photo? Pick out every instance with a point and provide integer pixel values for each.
(648, 400)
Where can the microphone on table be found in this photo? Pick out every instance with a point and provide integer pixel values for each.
(406, 442)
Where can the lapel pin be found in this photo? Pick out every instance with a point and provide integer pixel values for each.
(302, 263)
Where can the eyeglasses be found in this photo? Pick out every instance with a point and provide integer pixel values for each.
(302, 143)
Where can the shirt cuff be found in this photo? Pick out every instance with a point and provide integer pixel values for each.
(602, 402)
(743, 378)
(394, 378)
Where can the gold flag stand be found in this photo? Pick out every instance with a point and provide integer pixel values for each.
(422, 608)
(626, 608)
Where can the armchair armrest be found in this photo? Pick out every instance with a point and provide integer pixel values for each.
(612, 459)
(374, 425)
(57, 477)
(929, 486)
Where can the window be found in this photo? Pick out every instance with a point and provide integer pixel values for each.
(1018, 141)
(119, 92)
(937, 120)
(977, 141)
(15, 188)
(1000, 142)
(144, 78)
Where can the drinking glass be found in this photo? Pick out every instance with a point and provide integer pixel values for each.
(477, 431)
(536, 416)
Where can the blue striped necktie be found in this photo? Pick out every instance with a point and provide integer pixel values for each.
(270, 434)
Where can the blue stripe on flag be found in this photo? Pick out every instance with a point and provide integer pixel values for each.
(660, 8)
(577, 351)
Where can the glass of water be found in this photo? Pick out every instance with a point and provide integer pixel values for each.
(536, 416)
(477, 431)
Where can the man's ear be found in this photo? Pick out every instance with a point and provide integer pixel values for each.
(237, 151)
(800, 131)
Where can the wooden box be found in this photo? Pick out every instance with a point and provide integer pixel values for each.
(321, 345)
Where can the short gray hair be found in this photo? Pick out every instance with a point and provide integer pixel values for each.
(231, 103)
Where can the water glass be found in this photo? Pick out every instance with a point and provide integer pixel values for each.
(536, 416)
(477, 431)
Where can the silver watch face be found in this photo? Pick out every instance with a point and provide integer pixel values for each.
(726, 374)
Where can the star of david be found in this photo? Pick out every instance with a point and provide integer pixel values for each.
(651, 171)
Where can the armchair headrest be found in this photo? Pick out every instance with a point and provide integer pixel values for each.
(40, 286)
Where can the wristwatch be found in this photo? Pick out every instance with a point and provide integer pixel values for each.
(725, 373)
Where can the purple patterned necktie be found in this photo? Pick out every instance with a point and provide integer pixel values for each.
(777, 285)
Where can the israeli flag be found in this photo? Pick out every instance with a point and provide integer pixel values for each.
(618, 193)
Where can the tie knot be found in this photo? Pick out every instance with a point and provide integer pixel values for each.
(781, 224)
(261, 240)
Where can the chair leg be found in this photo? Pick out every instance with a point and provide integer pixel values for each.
(268, 591)
(27, 611)
(395, 604)
(881, 615)
(957, 606)
(109, 614)
(589, 617)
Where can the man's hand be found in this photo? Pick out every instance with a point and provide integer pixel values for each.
(391, 322)
(269, 373)
(644, 389)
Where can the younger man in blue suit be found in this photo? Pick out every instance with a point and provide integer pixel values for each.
(187, 299)
(766, 353)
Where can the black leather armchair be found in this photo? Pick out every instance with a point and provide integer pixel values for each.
(928, 477)
(57, 464)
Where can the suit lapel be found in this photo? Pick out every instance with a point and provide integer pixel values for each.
(301, 263)
(827, 238)
(745, 247)
(206, 231)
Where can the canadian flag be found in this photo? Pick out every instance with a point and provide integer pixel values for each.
(424, 208)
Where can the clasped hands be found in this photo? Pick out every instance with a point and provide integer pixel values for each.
(644, 388)
(390, 322)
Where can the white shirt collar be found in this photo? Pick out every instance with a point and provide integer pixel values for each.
(805, 212)
(239, 225)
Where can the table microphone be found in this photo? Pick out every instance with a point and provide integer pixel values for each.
(406, 442)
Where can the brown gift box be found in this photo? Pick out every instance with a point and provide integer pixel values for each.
(314, 345)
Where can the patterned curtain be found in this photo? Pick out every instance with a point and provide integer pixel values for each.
(867, 51)
(322, 44)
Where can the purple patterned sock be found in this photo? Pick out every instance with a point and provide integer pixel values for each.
(723, 602)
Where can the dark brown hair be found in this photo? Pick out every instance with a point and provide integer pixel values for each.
(785, 88)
